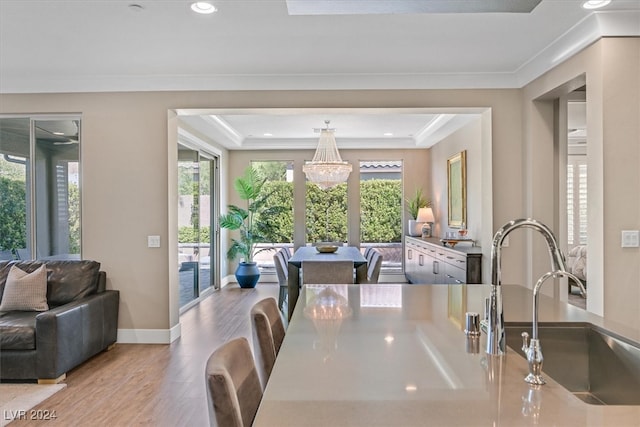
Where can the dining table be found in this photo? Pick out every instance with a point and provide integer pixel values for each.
(311, 253)
(398, 355)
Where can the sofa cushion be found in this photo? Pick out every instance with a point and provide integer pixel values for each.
(25, 291)
(67, 280)
(18, 330)
(71, 280)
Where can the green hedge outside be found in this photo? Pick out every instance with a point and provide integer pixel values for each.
(13, 214)
(381, 208)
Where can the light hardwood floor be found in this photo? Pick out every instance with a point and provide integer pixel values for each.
(155, 385)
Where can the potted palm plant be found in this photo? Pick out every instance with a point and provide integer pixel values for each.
(414, 204)
(247, 222)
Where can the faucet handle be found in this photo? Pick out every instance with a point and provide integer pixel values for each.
(525, 341)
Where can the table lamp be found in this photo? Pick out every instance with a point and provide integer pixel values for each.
(425, 215)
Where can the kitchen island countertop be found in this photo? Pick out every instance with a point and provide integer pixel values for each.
(382, 355)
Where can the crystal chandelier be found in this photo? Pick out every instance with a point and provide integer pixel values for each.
(327, 168)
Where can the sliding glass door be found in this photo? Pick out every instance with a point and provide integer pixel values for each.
(197, 244)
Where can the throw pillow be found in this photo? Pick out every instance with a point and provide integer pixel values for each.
(25, 291)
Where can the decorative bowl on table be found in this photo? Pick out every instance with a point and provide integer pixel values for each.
(326, 249)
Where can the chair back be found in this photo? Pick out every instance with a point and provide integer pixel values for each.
(367, 253)
(280, 261)
(233, 386)
(374, 266)
(286, 253)
(323, 272)
(268, 334)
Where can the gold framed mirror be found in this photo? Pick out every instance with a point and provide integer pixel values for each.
(457, 189)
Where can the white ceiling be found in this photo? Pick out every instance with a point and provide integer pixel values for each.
(99, 45)
(299, 128)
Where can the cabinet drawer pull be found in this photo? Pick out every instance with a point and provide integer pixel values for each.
(421, 259)
(410, 254)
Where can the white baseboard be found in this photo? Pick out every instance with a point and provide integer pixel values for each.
(149, 336)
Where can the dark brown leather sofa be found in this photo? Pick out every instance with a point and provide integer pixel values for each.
(82, 321)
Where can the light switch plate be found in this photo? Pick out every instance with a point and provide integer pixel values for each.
(630, 238)
(153, 241)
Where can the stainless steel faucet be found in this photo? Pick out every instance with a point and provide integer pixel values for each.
(496, 342)
(534, 350)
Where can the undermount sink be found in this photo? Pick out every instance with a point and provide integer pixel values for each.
(594, 364)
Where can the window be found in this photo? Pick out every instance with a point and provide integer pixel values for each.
(326, 213)
(381, 211)
(40, 188)
(278, 228)
(577, 200)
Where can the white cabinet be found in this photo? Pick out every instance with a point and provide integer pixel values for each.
(428, 261)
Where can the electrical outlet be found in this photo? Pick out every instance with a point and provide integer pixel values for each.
(153, 241)
(630, 239)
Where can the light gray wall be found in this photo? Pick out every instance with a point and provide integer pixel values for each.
(468, 138)
(611, 70)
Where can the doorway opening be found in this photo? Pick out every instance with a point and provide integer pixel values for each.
(577, 192)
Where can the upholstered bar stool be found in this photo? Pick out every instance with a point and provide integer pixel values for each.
(268, 334)
(233, 386)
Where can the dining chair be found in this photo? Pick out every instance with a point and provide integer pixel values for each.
(367, 253)
(374, 266)
(268, 334)
(327, 272)
(233, 386)
(286, 252)
(280, 261)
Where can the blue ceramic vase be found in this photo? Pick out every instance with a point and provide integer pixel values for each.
(247, 274)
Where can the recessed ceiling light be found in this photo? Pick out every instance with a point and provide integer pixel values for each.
(203, 7)
(595, 4)
(58, 133)
(267, 134)
(388, 134)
